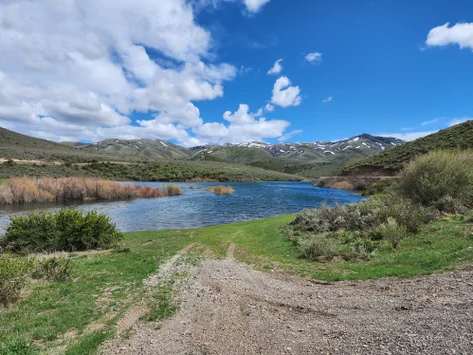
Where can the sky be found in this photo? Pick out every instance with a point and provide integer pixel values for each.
(200, 72)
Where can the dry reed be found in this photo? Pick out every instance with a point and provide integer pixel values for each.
(31, 190)
(221, 190)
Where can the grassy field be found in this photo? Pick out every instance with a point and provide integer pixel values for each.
(75, 317)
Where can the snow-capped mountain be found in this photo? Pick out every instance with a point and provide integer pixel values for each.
(363, 145)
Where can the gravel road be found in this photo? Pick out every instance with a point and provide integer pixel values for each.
(229, 308)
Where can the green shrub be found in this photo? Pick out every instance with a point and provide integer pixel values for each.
(435, 178)
(392, 231)
(14, 273)
(66, 230)
(318, 245)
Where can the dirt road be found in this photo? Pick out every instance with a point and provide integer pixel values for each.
(229, 308)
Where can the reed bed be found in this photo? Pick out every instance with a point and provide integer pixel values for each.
(222, 190)
(31, 190)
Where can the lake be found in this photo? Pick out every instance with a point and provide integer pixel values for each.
(194, 209)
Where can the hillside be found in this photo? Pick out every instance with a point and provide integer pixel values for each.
(21, 155)
(305, 159)
(144, 148)
(18, 146)
(390, 162)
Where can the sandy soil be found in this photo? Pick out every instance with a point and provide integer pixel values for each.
(229, 308)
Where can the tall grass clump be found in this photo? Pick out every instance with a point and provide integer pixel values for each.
(221, 190)
(66, 230)
(443, 179)
(173, 190)
(16, 272)
(30, 190)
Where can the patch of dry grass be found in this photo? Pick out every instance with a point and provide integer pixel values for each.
(32, 190)
(222, 190)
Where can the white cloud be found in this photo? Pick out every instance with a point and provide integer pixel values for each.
(285, 95)
(314, 57)
(407, 136)
(269, 108)
(426, 123)
(243, 127)
(276, 68)
(456, 121)
(255, 5)
(289, 135)
(80, 69)
(328, 99)
(460, 34)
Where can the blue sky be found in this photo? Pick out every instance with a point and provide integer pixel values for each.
(197, 72)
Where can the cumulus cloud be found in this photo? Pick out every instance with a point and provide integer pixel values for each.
(243, 126)
(314, 57)
(460, 34)
(284, 94)
(81, 70)
(276, 68)
(328, 99)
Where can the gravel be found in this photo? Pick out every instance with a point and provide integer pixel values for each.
(229, 308)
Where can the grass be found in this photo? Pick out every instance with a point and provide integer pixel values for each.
(106, 284)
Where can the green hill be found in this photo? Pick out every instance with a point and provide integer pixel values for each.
(391, 161)
(144, 148)
(19, 146)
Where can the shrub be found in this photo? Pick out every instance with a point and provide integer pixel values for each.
(318, 245)
(392, 231)
(66, 230)
(437, 177)
(14, 274)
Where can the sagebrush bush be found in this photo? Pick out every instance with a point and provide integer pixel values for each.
(359, 229)
(66, 230)
(318, 245)
(434, 178)
(392, 231)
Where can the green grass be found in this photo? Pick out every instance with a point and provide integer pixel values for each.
(105, 285)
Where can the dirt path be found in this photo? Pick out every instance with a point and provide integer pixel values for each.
(228, 308)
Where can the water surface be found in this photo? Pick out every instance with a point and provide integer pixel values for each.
(196, 209)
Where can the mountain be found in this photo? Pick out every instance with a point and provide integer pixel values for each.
(390, 162)
(306, 159)
(145, 148)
